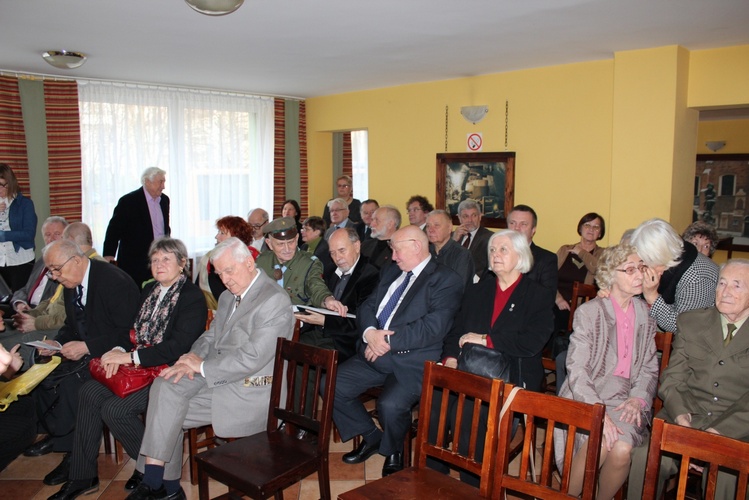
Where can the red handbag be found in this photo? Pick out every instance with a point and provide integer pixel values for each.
(128, 379)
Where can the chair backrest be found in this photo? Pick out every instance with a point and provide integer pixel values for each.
(547, 411)
(714, 450)
(580, 293)
(470, 392)
(663, 342)
(315, 367)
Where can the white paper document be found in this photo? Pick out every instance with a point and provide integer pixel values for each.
(43, 345)
(327, 312)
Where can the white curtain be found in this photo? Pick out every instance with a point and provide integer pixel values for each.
(216, 148)
(360, 163)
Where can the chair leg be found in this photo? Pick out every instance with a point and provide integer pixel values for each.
(107, 442)
(192, 449)
(323, 477)
(119, 455)
(202, 480)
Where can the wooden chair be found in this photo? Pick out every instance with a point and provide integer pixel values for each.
(209, 440)
(422, 482)
(537, 407)
(663, 342)
(263, 464)
(713, 450)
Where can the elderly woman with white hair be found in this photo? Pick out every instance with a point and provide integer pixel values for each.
(612, 360)
(505, 311)
(678, 278)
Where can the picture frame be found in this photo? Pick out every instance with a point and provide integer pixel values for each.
(487, 178)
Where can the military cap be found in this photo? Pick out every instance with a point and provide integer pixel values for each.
(283, 228)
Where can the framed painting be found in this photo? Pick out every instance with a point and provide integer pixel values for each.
(487, 178)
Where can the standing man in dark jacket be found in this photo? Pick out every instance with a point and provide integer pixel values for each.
(139, 218)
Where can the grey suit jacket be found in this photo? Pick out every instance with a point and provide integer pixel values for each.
(240, 346)
(592, 354)
(23, 294)
(706, 379)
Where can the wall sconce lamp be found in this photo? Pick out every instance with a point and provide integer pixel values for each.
(64, 59)
(474, 114)
(215, 7)
(715, 146)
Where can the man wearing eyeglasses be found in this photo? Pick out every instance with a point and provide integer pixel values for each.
(339, 216)
(257, 219)
(385, 221)
(403, 323)
(101, 301)
(345, 189)
(418, 207)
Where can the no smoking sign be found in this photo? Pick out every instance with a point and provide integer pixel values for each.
(475, 141)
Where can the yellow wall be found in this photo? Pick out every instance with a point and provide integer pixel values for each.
(734, 132)
(616, 136)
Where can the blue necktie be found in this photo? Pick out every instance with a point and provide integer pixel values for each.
(382, 319)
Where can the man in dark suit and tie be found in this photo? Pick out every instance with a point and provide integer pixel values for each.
(100, 306)
(385, 221)
(139, 218)
(473, 236)
(402, 324)
(352, 281)
(524, 220)
(364, 228)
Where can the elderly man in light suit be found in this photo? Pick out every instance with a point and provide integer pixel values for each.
(225, 379)
(705, 385)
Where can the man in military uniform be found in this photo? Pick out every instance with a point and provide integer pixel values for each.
(298, 272)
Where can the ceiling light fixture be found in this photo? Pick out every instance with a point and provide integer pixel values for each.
(715, 146)
(474, 114)
(64, 59)
(215, 7)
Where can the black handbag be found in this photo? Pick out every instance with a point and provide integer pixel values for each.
(483, 361)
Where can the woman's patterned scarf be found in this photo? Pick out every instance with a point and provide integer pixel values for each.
(150, 328)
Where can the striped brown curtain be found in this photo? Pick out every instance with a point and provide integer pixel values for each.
(279, 158)
(64, 148)
(12, 132)
(303, 172)
(347, 155)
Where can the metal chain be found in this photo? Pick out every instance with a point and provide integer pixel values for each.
(445, 129)
(507, 120)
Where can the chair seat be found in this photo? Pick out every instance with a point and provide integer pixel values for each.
(255, 463)
(413, 483)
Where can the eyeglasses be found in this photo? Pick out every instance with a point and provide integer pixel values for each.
(336, 210)
(3, 184)
(588, 225)
(344, 185)
(57, 269)
(392, 243)
(633, 269)
(415, 209)
(258, 226)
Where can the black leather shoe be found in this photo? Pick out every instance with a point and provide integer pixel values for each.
(39, 448)
(59, 474)
(177, 495)
(74, 489)
(393, 463)
(360, 454)
(134, 481)
(144, 492)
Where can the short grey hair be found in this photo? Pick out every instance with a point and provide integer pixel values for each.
(78, 232)
(169, 245)
(237, 247)
(261, 210)
(393, 214)
(150, 174)
(611, 258)
(67, 248)
(54, 219)
(657, 243)
(519, 244)
(338, 201)
(353, 236)
(439, 211)
(469, 204)
(734, 262)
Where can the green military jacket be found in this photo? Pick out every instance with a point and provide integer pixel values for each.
(302, 279)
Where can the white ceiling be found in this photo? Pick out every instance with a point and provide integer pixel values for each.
(305, 48)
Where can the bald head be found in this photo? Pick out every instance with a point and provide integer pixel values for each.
(80, 233)
(410, 246)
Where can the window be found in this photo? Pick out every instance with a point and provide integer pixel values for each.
(360, 163)
(216, 148)
(727, 183)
